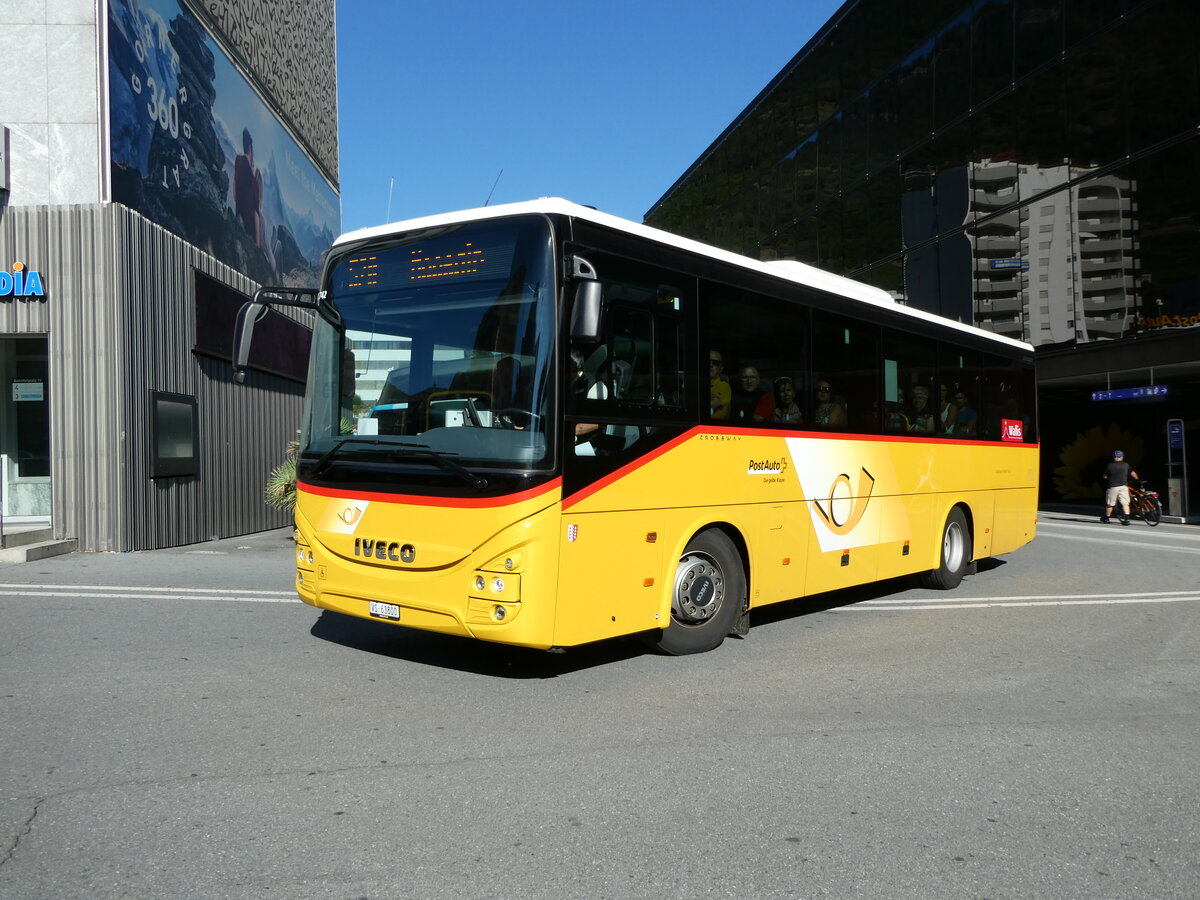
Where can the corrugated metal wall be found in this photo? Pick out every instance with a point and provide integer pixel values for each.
(120, 318)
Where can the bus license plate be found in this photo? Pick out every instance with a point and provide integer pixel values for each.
(385, 611)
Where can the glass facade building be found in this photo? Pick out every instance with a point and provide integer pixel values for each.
(1027, 166)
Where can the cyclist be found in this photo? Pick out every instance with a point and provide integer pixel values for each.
(1116, 478)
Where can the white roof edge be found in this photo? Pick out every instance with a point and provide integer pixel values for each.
(787, 270)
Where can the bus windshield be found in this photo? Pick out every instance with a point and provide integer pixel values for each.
(432, 363)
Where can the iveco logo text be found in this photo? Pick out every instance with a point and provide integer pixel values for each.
(384, 550)
(767, 466)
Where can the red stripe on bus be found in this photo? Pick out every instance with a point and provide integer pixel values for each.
(448, 502)
(620, 473)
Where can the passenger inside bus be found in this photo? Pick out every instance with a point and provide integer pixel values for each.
(719, 391)
(961, 420)
(920, 416)
(786, 410)
(747, 393)
(829, 410)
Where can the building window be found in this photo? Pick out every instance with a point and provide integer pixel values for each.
(174, 425)
(281, 344)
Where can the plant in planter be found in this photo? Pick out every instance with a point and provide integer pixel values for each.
(280, 489)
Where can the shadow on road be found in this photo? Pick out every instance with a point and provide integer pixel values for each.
(1073, 518)
(466, 655)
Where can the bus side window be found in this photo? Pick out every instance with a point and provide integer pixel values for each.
(846, 358)
(670, 383)
(763, 346)
(629, 365)
(908, 367)
(959, 389)
(1006, 411)
(643, 358)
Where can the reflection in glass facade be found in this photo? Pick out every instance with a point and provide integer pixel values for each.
(1025, 165)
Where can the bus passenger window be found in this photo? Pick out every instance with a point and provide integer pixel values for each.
(908, 366)
(762, 345)
(958, 392)
(846, 359)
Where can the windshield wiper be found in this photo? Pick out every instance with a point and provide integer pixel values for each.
(441, 460)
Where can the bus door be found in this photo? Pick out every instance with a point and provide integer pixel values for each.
(629, 395)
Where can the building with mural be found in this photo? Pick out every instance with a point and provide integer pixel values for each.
(161, 159)
(1021, 165)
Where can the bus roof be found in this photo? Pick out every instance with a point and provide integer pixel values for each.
(784, 270)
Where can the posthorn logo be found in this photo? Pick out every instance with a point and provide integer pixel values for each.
(846, 506)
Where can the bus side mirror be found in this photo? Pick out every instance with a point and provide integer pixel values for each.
(243, 334)
(588, 310)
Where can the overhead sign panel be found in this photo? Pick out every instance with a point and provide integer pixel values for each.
(1136, 393)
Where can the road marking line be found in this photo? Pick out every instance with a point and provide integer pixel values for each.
(1134, 543)
(988, 602)
(1187, 595)
(125, 592)
(129, 587)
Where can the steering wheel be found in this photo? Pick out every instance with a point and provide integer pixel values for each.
(504, 415)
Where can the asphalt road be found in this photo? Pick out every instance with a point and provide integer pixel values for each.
(173, 724)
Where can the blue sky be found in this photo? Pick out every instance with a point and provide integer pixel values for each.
(604, 103)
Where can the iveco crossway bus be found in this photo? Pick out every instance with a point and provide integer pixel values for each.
(542, 425)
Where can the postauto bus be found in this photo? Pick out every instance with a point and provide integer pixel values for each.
(541, 425)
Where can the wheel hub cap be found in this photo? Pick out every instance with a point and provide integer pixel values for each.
(699, 589)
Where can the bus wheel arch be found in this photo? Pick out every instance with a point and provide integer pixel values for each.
(708, 592)
(955, 550)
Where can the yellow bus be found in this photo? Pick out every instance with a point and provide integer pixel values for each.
(542, 425)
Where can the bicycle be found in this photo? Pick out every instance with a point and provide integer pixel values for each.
(1144, 503)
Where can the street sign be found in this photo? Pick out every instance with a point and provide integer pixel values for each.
(1152, 391)
(1175, 434)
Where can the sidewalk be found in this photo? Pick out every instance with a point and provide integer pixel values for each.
(1092, 510)
(260, 561)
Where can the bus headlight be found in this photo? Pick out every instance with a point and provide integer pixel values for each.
(491, 587)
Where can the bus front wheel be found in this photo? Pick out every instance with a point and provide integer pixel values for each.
(707, 596)
(955, 554)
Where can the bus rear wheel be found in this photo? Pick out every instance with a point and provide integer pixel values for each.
(956, 554)
(708, 595)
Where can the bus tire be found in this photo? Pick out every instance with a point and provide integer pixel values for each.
(955, 554)
(708, 595)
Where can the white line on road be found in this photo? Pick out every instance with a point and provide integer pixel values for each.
(1134, 544)
(128, 592)
(885, 604)
(1092, 531)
